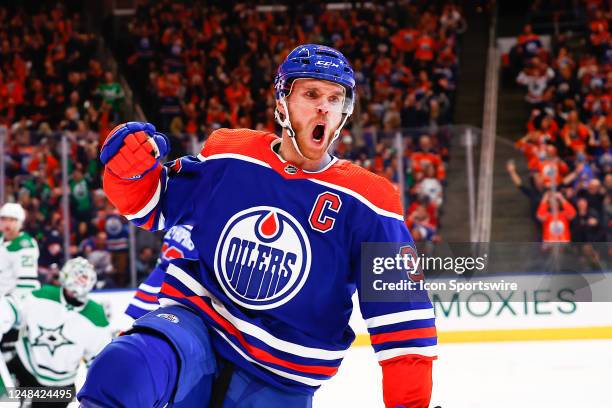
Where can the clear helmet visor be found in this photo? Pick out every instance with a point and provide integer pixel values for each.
(335, 108)
(327, 97)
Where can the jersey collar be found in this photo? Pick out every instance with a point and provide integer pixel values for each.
(70, 306)
(275, 146)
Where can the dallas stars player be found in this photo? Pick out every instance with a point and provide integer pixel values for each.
(18, 264)
(58, 327)
(18, 253)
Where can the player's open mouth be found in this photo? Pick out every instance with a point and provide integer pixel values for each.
(318, 132)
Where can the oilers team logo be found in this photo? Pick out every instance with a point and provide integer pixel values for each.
(263, 257)
(113, 226)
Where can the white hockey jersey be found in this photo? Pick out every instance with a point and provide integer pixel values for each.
(19, 265)
(54, 336)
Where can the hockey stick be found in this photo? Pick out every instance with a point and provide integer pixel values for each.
(5, 375)
(6, 378)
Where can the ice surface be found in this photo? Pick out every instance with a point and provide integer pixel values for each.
(534, 374)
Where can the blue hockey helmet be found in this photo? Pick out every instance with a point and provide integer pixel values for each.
(317, 62)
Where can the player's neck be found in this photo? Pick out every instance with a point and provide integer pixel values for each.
(287, 151)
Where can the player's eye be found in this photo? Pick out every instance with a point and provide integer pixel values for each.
(311, 94)
(334, 100)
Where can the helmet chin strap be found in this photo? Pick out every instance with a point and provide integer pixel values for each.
(345, 116)
(286, 124)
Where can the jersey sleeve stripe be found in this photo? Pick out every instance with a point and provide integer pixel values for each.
(403, 335)
(149, 289)
(25, 282)
(431, 341)
(149, 206)
(429, 351)
(150, 221)
(146, 297)
(161, 222)
(251, 329)
(27, 286)
(163, 301)
(28, 278)
(5, 300)
(398, 317)
(143, 305)
(411, 324)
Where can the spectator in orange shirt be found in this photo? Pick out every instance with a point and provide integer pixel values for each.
(600, 33)
(419, 222)
(552, 169)
(532, 149)
(426, 155)
(15, 92)
(46, 163)
(576, 134)
(235, 93)
(545, 125)
(555, 214)
(405, 41)
(597, 103)
(542, 130)
(425, 48)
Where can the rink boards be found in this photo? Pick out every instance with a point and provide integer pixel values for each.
(527, 315)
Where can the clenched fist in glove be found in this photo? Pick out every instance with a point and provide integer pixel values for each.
(132, 149)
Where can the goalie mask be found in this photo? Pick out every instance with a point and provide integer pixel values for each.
(78, 278)
(315, 62)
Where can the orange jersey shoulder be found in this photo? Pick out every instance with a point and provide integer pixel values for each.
(247, 142)
(342, 175)
(375, 189)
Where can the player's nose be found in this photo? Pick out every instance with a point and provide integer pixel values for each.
(323, 107)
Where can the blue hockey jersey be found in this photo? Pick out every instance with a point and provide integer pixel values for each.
(279, 256)
(177, 244)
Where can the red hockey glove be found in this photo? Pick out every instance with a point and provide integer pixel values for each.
(407, 382)
(131, 149)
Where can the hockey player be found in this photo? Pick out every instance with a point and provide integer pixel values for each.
(18, 253)
(177, 245)
(58, 328)
(279, 225)
(18, 264)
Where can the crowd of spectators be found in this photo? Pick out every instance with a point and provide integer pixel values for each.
(567, 144)
(50, 84)
(197, 67)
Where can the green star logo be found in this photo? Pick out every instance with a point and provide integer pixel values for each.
(51, 338)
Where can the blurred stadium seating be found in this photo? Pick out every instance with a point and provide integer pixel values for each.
(195, 67)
